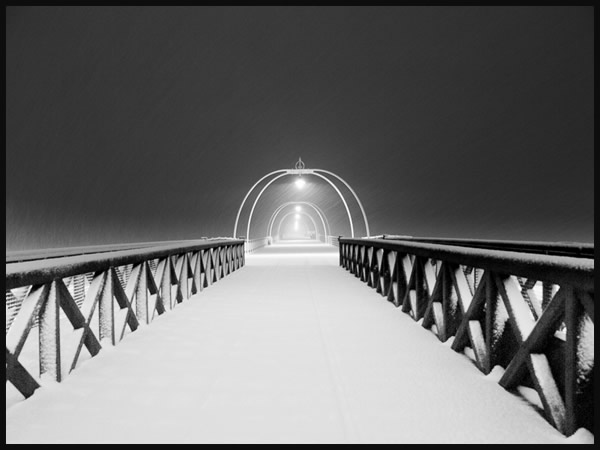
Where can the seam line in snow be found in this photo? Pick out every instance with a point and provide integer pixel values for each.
(350, 430)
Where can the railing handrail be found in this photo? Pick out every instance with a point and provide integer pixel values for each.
(44, 271)
(59, 252)
(575, 249)
(556, 269)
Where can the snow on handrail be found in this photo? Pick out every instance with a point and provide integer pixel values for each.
(551, 268)
(28, 255)
(531, 314)
(575, 249)
(45, 270)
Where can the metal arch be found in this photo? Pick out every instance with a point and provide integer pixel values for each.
(326, 228)
(341, 196)
(257, 198)
(293, 172)
(320, 213)
(237, 218)
(280, 208)
(300, 170)
(362, 210)
(294, 212)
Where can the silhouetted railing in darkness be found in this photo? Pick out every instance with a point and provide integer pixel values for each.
(531, 314)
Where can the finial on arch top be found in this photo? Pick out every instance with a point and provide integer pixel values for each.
(299, 164)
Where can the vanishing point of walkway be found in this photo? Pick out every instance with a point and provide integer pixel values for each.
(290, 349)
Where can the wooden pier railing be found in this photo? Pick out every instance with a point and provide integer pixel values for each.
(255, 244)
(63, 308)
(531, 314)
(332, 240)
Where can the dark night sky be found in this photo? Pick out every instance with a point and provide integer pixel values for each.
(128, 124)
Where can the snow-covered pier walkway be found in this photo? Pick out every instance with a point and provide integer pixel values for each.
(290, 349)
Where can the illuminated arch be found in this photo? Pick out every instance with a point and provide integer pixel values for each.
(362, 210)
(294, 212)
(295, 172)
(300, 170)
(237, 218)
(321, 214)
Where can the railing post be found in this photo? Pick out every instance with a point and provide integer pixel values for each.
(196, 272)
(106, 310)
(141, 296)
(165, 283)
(49, 336)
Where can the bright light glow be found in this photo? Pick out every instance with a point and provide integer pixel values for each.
(297, 216)
(298, 208)
(296, 225)
(300, 183)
